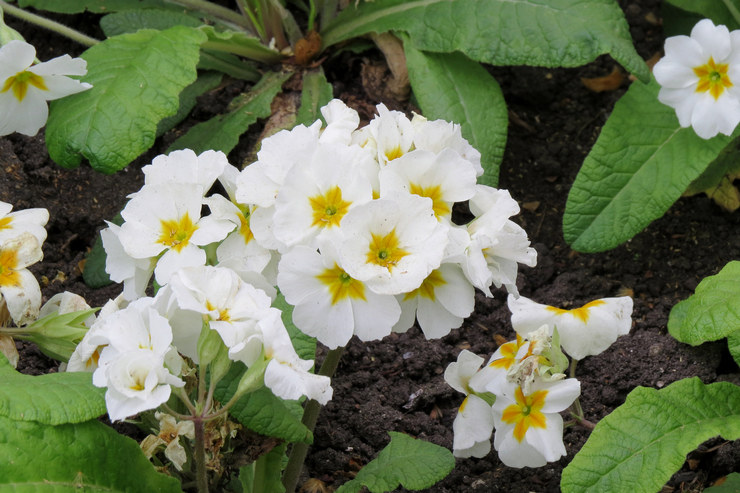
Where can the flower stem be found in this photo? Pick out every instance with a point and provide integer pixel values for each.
(49, 24)
(310, 416)
(200, 455)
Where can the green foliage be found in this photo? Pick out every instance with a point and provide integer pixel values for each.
(136, 83)
(730, 485)
(264, 474)
(188, 98)
(712, 312)
(546, 33)
(640, 445)
(130, 21)
(222, 132)
(634, 172)
(316, 93)
(717, 11)
(97, 6)
(240, 43)
(74, 457)
(304, 345)
(413, 464)
(733, 344)
(454, 88)
(261, 411)
(53, 399)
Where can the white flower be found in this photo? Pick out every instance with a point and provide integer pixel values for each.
(341, 122)
(184, 166)
(584, 331)
(27, 220)
(529, 430)
(122, 268)
(700, 78)
(19, 288)
(329, 304)
(25, 88)
(473, 424)
(437, 135)
(392, 244)
(391, 133)
(86, 355)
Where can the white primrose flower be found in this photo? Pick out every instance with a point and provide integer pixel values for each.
(341, 122)
(445, 178)
(86, 355)
(584, 331)
(392, 244)
(184, 166)
(529, 428)
(134, 273)
(473, 424)
(496, 245)
(25, 87)
(23, 221)
(329, 304)
(164, 222)
(699, 77)
(390, 134)
(444, 299)
(437, 135)
(19, 288)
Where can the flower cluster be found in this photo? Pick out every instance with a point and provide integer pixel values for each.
(522, 389)
(699, 75)
(26, 87)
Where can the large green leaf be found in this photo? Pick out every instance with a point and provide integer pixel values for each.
(712, 312)
(639, 446)
(55, 398)
(98, 6)
(454, 88)
(316, 93)
(130, 21)
(733, 344)
(639, 166)
(716, 10)
(222, 132)
(413, 464)
(136, 83)
(87, 456)
(731, 484)
(262, 412)
(546, 33)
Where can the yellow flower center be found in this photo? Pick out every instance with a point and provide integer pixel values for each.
(713, 78)
(341, 285)
(579, 313)
(427, 287)
(176, 234)
(508, 354)
(244, 229)
(5, 223)
(223, 315)
(394, 153)
(385, 251)
(435, 193)
(19, 83)
(8, 264)
(526, 412)
(329, 208)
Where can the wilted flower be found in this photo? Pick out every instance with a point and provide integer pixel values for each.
(25, 88)
(170, 431)
(699, 76)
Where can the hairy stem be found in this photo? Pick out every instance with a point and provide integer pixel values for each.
(49, 24)
(200, 455)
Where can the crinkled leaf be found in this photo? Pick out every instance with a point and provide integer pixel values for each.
(89, 456)
(634, 172)
(261, 411)
(136, 83)
(454, 88)
(546, 33)
(316, 93)
(413, 464)
(53, 399)
(712, 312)
(304, 345)
(222, 132)
(240, 43)
(733, 344)
(715, 10)
(97, 6)
(731, 484)
(131, 21)
(643, 442)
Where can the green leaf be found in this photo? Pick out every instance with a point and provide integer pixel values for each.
(634, 172)
(304, 345)
(727, 164)
(53, 399)
(316, 93)
(268, 471)
(454, 88)
(733, 344)
(131, 21)
(263, 412)
(136, 83)
(730, 485)
(240, 43)
(222, 132)
(716, 10)
(413, 464)
(548, 33)
(640, 445)
(188, 98)
(712, 312)
(97, 6)
(88, 456)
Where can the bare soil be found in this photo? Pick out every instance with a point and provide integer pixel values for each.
(396, 384)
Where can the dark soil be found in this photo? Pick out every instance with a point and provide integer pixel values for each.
(396, 384)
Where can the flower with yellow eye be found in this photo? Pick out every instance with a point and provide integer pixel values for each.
(25, 87)
(700, 77)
